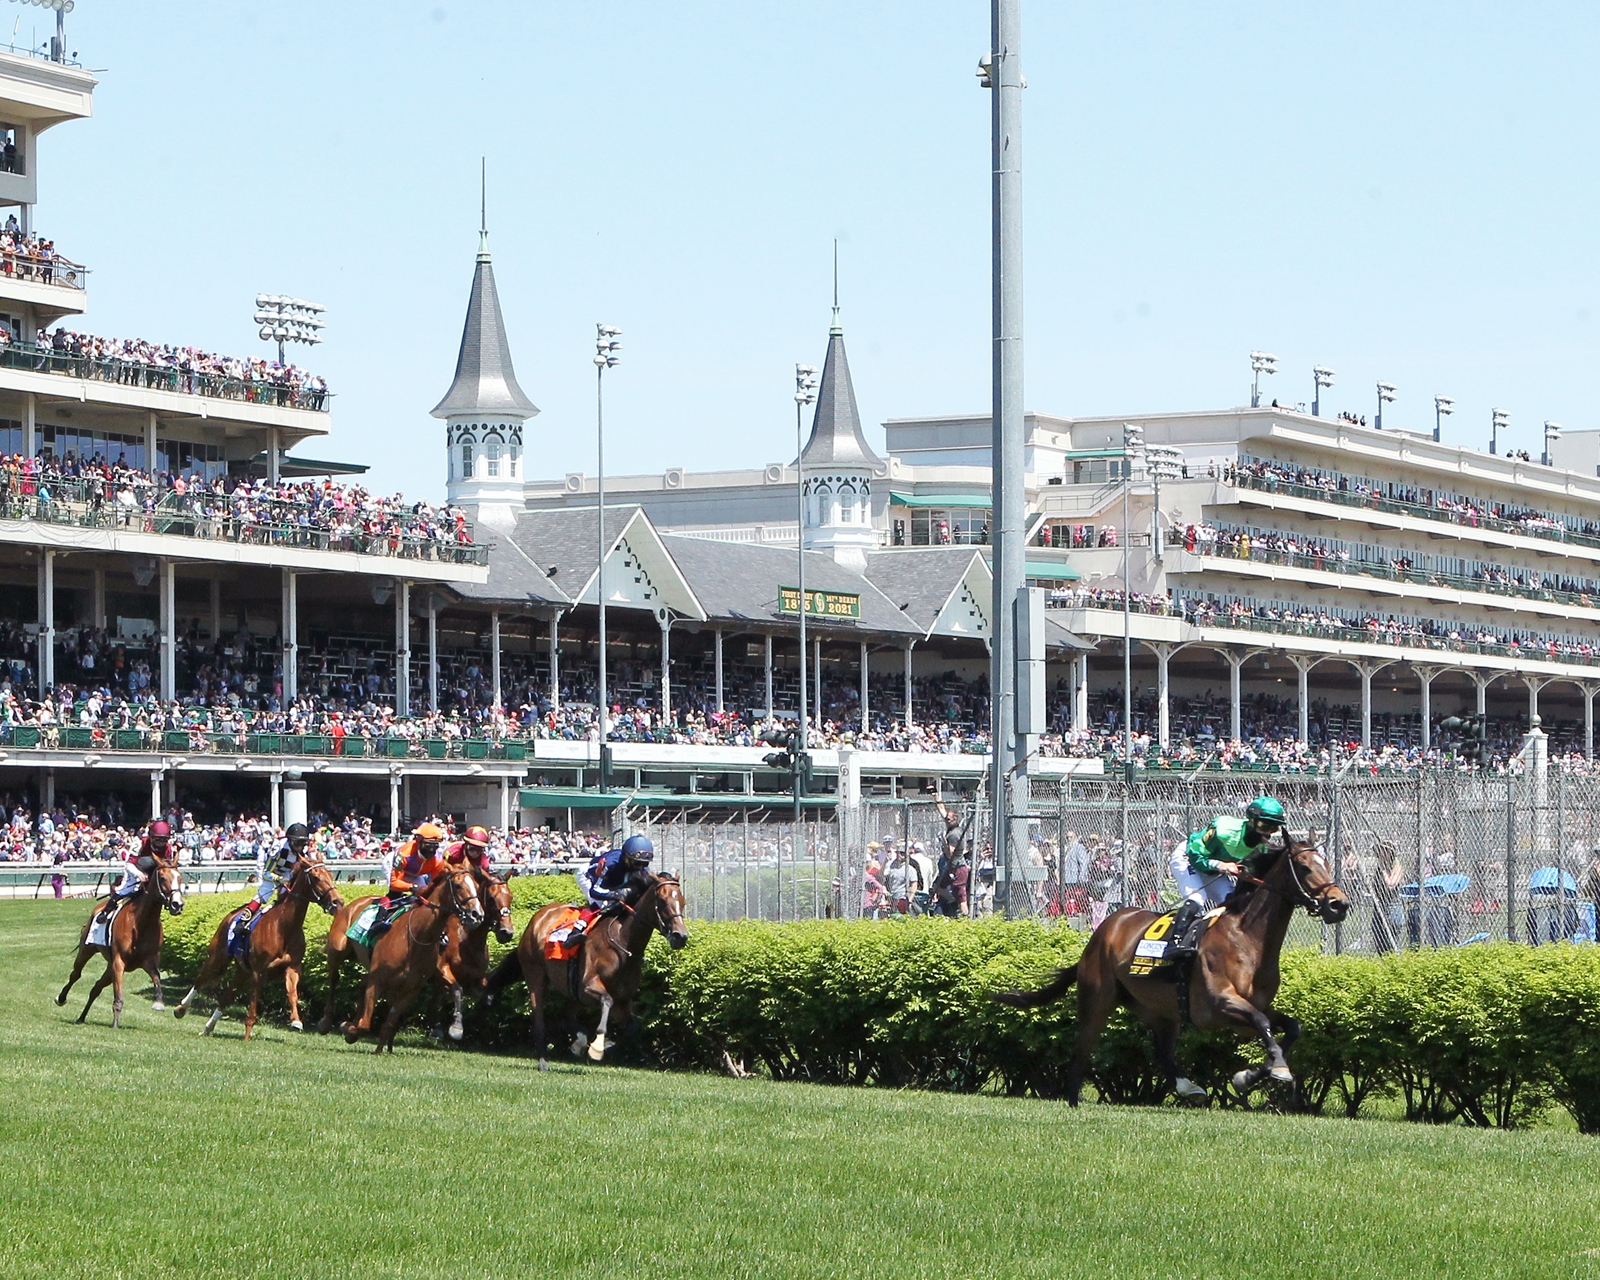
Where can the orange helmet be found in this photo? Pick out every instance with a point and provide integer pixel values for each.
(429, 832)
(477, 836)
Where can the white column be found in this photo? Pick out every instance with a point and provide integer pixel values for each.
(394, 803)
(864, 686)
(716, 646)
(155, 795)
(47, 621)
(1235, 662)
(98, 604)
(505, 802)
(272, 455)
(275, 802)
(494, 657)
(1366, 672)
(169, 630)
(289, 615)
(433, 652)
(216, 609)
(555, 659)
(768, 647)
(402, 647)
(30, 429)
(1589, 690)
(1534, 683)
(1425, 675)
(816, 680)
(1483, 691)
(150, 441)
(1080, 693)
(666, 666)
(1163, 654)
(1302, 669)
(909, 699)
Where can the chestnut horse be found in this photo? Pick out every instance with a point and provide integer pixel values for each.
(278, 941)
(464, 959)
(1233, 980)
(610, 966)
(407, 957)
(134, 941)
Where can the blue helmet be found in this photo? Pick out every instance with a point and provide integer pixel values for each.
(638, 850)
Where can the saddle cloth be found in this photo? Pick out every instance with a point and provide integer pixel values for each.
(372, 921)
(1151, 957)
(100, 930)
(239, 934)
(563, 941)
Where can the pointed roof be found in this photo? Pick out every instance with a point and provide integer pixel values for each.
(836, 438)
(485, 381)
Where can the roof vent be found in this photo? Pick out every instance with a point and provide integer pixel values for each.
(773, 473)
(673, 478)
(574, 482)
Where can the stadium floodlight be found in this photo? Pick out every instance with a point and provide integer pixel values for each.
(284, 319)
(58, 42)
(1163, 462)
(606, 347)
(1499, 420)
(1132, 448)
(1443, 407)
(1321, 376)
(1386, 394)
(1552, 433)
(1261, 362)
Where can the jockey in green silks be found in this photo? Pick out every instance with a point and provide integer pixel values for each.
(1207, 866)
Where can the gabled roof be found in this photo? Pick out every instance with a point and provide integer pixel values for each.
(739, 582)
(564, 544)
(921, 580)
(485, 381)
(836, 438)
(514, 578)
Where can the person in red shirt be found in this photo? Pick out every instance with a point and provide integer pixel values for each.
(472, 848)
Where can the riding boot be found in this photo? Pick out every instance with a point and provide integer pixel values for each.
(1182, 944)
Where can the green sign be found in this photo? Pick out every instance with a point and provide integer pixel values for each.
(820, 604)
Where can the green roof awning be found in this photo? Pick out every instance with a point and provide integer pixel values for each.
(570, 798)
(973, 501)
(726, 800)
(1084, 455)
(1054, 572)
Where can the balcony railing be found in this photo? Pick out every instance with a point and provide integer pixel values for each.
(80, 505)
(190, 742)
(160, 377)
(52, 269)
(1554, 531)
(1395, 573)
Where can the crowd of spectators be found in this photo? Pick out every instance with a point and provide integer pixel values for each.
(27, 257)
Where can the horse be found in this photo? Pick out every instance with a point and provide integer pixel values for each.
(1232, 981)
(464, 959)
(134, 940)
(278, 941)
(610, 966)
(407, 957)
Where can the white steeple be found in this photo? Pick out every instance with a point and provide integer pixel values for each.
(838, 465)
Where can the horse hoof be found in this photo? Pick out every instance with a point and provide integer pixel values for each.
(1243, 1080)
(597, 1050)
(1188, 1091)
(159, 1007)
(180, 1011)
(297, 1025)
(1282, 1075)
(457, 1031)
(543, 1065)
(60, 1000)
(580, 1042)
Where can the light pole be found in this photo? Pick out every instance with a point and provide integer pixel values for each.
(1386, 395)
(1132, 446)
(1443, 407)
(1552, 433)
(1320, 377)
(805, 392)
(289, 320)
(1162, 462)
(1499, 420)
(1261, 362)
(606, 347)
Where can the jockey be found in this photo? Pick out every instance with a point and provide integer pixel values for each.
(1207, 866)
(136, 870)
(605, 881)
(472, 848)
(416, 864)
(274, 870)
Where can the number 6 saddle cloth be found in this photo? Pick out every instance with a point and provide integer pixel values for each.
(1152, 958)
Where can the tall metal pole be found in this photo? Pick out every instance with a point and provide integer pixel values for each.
(802, 740)
(600, 551)
(1009, 768)
(1127, 626)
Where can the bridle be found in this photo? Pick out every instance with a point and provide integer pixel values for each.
(173, 900)
(302, 886)
(455, 904)
(1315, 902)
(489, 880)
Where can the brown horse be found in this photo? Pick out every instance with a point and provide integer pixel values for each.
(406, 958)
(610, 966)
(134, 940)
(278, 941)
(1232, 981)
(464, 959)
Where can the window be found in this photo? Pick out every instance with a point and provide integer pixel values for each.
(466, 462)
(492, 450)
(516, 460)
(932, 527)
(11, 148)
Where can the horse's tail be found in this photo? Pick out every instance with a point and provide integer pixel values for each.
(1052, 990)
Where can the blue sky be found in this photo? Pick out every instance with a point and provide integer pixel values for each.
(1400, 192)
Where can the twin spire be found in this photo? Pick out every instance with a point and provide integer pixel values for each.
(836, 439)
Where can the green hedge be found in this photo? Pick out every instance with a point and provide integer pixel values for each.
(1487, 1035)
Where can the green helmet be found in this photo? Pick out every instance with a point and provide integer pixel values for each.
(1265, 809)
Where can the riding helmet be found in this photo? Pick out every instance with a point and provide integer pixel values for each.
(1266, 809)
(477, 836)
(429, 833)
(297, 832)
(638, 850)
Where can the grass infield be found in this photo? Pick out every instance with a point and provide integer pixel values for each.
(151, 1153)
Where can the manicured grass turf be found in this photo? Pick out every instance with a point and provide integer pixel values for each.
(151, 1153)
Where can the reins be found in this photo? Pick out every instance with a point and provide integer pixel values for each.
(1310, 901)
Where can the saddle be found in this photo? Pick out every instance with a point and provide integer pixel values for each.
(239, 930)
(100, 926)
(1154, 956)
(571, 927)
(375, 919)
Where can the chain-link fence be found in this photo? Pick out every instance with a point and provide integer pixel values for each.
(1429, 859)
